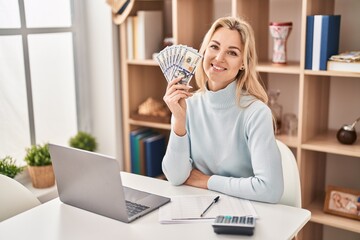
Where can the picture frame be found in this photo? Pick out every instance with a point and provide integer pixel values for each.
(342, 202)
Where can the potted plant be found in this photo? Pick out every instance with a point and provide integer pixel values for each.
(40, 166)
(83, 140)
(9, 168)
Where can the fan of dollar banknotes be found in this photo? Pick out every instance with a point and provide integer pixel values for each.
(178, 61)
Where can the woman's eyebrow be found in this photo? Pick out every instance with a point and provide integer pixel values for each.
(231, 47)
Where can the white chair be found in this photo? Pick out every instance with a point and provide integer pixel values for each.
(292, 187)
(14, 198)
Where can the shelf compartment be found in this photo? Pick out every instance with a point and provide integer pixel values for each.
(327, 142)
(318, 216)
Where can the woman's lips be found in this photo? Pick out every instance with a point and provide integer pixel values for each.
(217, 68)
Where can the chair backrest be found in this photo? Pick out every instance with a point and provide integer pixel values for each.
(14, 198)
(292, 187)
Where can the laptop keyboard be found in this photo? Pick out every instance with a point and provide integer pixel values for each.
(134, 208)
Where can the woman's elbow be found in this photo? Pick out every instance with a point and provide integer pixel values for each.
(173, 178)
(276, 192)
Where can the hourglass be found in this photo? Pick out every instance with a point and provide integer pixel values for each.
(280, 32)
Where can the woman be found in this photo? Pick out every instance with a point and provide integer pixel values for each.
(222, 136)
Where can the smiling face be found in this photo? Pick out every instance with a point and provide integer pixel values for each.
(223, 58)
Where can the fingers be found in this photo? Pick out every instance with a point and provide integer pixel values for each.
(175, 92)
(174, 84)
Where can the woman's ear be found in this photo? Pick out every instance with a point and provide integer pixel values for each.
(242, 68)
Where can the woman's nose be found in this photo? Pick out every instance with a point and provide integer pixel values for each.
(220, 56)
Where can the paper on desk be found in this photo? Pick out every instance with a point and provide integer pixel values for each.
(186, 209)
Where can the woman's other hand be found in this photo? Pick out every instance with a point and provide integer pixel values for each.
(197, 179)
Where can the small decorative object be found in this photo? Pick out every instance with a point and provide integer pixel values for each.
(153, 107)
(289, 125)
(152, 110)
(343, 202)
(40, 166)
(83, 140)
(9, 168)
(347, 133)
(280, 32)
(276, 108)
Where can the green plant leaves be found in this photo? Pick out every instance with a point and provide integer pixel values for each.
(83, 140)
(9, 168)
(38, 155)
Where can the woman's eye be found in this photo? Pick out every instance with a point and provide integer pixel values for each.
(214, 46)
(232, 53)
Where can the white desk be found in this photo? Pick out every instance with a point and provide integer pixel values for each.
(55, 220)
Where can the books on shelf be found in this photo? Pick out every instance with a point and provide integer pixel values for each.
(350, 56)
(344, 66)
(144, 34)
(130, 36)
(346, 62)
(154, 148)
(322, 40)
(147, 149)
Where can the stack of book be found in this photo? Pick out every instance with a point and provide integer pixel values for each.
(322, 40)
(147, 149)
(347, 62)
(144, 33)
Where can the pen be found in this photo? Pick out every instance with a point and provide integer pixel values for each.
(212, 203)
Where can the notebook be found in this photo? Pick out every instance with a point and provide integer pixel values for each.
(92, 181)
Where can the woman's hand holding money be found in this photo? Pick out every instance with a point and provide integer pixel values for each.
(175, 100)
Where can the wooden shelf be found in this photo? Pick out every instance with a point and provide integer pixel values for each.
(332, 73)
(319, 216)
(147, 62)
(291, 141)
(328, 143)
(289, 68)
(165, 126)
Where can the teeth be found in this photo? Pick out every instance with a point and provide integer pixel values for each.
(218, 68)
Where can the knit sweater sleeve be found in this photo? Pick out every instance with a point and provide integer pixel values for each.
(266, 184)
(176, 163)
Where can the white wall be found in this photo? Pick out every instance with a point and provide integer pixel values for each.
(100, 55)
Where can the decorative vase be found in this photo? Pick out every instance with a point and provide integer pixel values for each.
(42, 176)
(347, 133)
(280, 32)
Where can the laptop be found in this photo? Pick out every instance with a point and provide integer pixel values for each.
(92, 182)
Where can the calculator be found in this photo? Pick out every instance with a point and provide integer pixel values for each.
(242, 225)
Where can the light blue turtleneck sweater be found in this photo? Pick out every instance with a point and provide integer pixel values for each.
(235, 145)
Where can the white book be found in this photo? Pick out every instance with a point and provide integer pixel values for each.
(130, 37)
(316, 42)
(343, 66)
(150, 33)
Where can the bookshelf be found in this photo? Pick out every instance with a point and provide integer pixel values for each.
(188, 20)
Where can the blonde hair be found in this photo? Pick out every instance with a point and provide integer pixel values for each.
(247, 79)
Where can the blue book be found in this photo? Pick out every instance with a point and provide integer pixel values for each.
(330, 33)
(325, 40)
(309, 41)
(136, 163)
(154, 153)
(133, 150)
(141, 151)
(315, 65)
